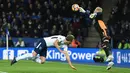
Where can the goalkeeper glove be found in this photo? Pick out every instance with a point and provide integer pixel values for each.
(81, 10)
(93, 15)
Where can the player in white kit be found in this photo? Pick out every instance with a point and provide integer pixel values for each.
(58, 41)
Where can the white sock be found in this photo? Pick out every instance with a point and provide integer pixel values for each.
(38, 60)
(110, 58)
(110, 64)
(25, 56)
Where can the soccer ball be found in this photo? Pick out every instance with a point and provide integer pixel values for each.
(75, 7)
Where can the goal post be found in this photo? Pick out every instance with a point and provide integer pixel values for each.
(7, 42)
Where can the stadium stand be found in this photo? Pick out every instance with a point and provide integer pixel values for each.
(119, 22)
(40, 18)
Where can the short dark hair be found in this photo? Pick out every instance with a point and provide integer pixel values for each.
(70, 38)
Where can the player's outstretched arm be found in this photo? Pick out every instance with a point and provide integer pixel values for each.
(68, 60)
(66, 54)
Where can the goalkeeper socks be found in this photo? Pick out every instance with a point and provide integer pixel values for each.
(110, 58)
(25, 56)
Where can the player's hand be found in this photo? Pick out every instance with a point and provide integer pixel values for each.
(73, 67)
(62, 51)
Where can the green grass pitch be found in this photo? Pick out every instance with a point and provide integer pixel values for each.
(55, 67)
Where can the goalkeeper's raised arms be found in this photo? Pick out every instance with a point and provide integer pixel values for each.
(92, 15)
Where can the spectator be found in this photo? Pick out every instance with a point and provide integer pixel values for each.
(128, 44)
(54, 31)
(20, 43)
(69, 32)
(30, 9)
(45, 33)
(75, 44)
(11, 43)
(62, 30)
(2, 35)
(2, 43)
(119, 22)
(122, 45)
(2, 8)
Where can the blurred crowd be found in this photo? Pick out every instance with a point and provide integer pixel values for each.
(41, 18)
(119, 22)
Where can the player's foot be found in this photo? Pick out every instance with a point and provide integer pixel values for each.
(73, 67)
(13, 61)
(110, 64)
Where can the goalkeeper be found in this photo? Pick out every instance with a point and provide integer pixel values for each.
(103, 32)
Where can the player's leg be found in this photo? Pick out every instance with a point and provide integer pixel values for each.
(108, 51)
(106, 44)
(42, 54)
(30, 56)
(42, 57)
(107, 48)
(105, 38)
(104, 41)
(109, 65)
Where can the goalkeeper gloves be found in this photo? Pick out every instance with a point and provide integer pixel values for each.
(81, 10)
(93, 15)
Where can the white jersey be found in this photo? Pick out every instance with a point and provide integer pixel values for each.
(50, 41)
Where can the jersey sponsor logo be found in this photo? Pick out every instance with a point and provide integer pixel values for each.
(8, 54)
